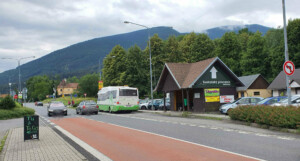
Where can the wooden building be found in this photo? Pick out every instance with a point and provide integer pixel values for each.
(201, 86)
(255, 85)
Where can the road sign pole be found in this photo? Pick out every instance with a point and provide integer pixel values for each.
(288, 89)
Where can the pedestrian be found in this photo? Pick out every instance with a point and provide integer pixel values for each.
(72, 102)
(69, 103)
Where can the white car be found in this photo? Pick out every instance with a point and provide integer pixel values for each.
(295, 101)
(143, 104)
(240, 102)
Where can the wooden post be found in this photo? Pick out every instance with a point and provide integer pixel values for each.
(182, 100)
(188, 99)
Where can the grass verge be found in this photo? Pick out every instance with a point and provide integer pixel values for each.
(15, 112)
(3, 142)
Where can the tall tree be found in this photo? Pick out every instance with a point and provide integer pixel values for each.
(172, 50)
(137, 69)
(293, 34)
(230, 51)
(185, 46)
(253, 61)
(114, 66)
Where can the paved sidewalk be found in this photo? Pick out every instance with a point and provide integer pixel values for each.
(50, 147)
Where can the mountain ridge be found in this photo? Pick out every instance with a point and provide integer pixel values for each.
(83, 57)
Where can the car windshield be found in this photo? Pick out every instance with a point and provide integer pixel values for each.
(90, 103)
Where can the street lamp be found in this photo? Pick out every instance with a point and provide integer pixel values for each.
(148, 29)
(19, 60)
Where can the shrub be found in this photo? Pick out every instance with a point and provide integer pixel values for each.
(284, 117)
(7, 103)
(16, 112)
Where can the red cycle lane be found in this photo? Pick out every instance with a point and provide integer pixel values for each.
(124, 144)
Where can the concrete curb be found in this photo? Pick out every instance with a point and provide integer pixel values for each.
(5, 145)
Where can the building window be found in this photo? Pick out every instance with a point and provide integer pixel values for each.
(256, 93)
(61, 90)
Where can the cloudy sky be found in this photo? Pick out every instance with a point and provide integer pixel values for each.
(38, 27)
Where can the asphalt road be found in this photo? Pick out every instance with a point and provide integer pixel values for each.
(258, 143)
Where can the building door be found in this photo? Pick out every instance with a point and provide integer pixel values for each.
(242, 94)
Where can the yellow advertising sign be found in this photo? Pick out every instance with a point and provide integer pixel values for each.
(212, 99)
(100, 85)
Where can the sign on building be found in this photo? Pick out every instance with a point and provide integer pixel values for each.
(226, 98)
(212, 95)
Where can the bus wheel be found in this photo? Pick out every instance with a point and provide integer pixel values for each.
(109, 109)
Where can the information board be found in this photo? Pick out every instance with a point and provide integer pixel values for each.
(31, 127)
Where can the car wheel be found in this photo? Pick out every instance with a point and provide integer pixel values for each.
(49, 114)
(66, 113)
(109, 109)
(96, 112)
(80, 112)
(77, 112)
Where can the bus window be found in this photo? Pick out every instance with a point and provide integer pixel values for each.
(128, 92)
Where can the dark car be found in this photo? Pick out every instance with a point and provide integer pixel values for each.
(86, 107)
(271, 100)
(161, 105)
(56, 107)
(39, 104)
(155, 104)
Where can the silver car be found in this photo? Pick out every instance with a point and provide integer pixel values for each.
(56, 107)
(88, 106)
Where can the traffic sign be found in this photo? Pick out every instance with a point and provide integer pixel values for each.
(289, 68)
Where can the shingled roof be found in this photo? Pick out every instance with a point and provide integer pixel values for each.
(247, 80)
(186, 74)
(280, 82)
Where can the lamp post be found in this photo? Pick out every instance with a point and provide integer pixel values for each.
(148, 29)
(19, 60)
(286, 53)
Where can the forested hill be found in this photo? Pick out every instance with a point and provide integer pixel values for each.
(83, 57)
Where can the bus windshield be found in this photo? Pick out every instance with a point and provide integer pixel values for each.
(128, 92)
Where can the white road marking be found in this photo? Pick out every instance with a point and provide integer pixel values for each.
(185, 141)
(84, 145)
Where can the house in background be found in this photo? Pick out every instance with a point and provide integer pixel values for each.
(65, 88)
(255, 85)
(278, 86)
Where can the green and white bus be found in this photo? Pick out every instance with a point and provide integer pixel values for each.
(118, 98)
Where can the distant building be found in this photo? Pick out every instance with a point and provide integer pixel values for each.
(3, 95)
(255, 85)
(278, 86)
(66, 88)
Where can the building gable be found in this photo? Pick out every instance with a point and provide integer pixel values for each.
(259, 83)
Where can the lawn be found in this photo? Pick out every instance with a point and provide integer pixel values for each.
(15, 112)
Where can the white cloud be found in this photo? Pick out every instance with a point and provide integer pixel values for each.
(38, 27)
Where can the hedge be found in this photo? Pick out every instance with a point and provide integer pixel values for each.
(15, 112)
(279, 116)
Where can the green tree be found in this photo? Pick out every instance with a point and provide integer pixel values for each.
(293, 35)
(196, 47)
(230, 52)
(254, 59)
(73, 79)
(275, 46)
(89, 84)
(172, 50)
(115, 67)
(39, 87)
(136, 74)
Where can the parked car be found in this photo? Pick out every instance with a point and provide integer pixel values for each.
(39, 104)
(156, 103)
(295, 101)
(161, 105)
(271, 100)
(57, 107)
(86, 107)
(239, 102)
(143, 105)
